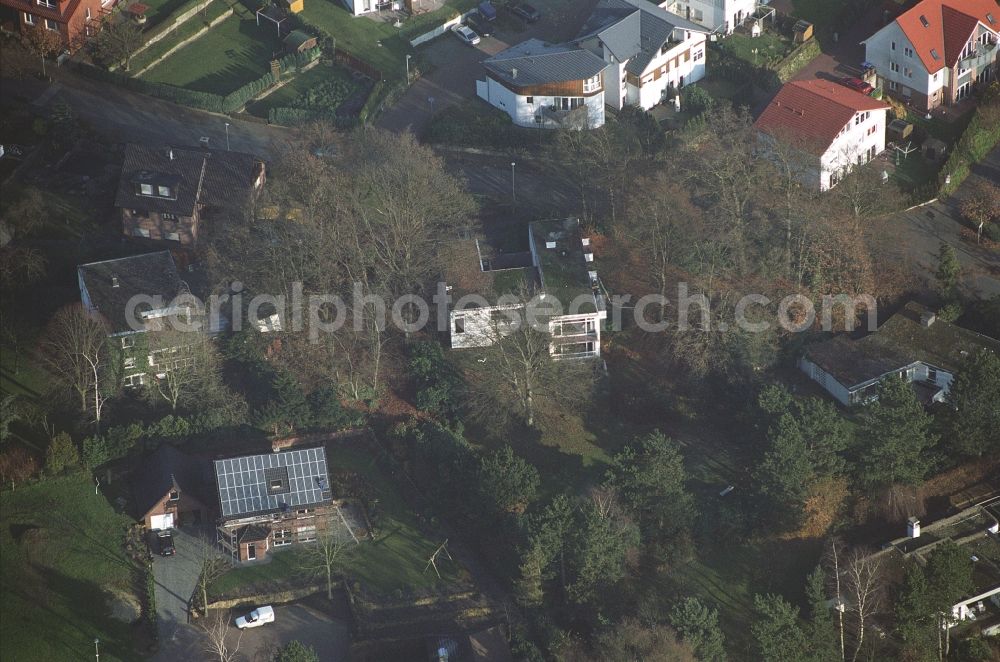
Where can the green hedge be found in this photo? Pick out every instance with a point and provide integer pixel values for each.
(980, 137)
(798, 58)
(286, 116)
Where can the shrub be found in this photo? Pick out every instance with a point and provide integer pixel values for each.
(980, 137)
(61, 454)
(696, 99)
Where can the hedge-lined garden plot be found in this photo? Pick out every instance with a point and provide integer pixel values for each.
(228, 56)
(321, 89)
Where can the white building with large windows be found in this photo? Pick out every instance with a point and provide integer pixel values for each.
(648, 50)
(545, 85)
(938, 52)
(722, 16)
(554, 277)
(831, 127)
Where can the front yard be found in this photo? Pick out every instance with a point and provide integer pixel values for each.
(64, 567)
(222, 60)
(395, 560)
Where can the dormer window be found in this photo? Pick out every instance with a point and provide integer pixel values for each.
(163, 191)
(145, 189)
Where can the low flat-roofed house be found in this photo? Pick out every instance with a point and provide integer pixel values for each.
(272, 500)
(913, 344)
(830, 127)
(487, 289)
(164, 192)
(146, 287)
(171, 489)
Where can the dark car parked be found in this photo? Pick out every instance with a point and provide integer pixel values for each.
(479, 25)
(526, 12)
(165, 543)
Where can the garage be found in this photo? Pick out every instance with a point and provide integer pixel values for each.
(161, 521)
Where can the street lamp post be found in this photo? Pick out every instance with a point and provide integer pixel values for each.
(513, 193)
(227, 136)
(407, 68)
(97, 651)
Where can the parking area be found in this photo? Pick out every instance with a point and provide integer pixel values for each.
(455, 66)
(328, 636)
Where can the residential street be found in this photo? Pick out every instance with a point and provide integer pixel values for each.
(127, 116)
(915, 237)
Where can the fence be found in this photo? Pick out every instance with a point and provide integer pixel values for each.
(440, 29)
(355, 63)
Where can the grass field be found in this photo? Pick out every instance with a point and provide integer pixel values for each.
(394, 560)
(160, 10)
(227, 57)
(62, 553)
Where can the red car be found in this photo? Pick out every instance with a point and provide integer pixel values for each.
(857, 85)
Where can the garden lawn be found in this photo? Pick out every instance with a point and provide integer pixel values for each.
(820, 13)
(396, 559)
(771, 48)
(320, 88)
(62, 552)
(161, 10)
(228, 56)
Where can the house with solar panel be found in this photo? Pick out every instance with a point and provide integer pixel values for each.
(272, 500)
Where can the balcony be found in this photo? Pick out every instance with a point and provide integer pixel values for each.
(981, 55)
(570, 118)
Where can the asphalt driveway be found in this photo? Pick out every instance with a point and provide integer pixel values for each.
(175, 579)
(454, 66)
(328, 636)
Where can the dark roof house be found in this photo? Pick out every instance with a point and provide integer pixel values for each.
(107, 287)
(169, 483)
(535, 62)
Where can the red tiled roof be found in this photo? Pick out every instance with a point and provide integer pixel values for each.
(949, 24)
(814, 111)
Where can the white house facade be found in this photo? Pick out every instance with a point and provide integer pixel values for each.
(569, 299)
(649, 51)
(833, 127)
(721, 16)
(938, 52)
(546, 86)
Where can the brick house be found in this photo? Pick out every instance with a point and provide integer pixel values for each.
(165, 193)
(74, 20)
(272, 500)
(171, 489)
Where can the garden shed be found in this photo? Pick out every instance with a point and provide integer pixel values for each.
(298, 41)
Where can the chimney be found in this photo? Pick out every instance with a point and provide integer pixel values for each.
(927, 319)
(585, 241)
(588, 257)
(114, 281)
(913, 528)
(513, 72)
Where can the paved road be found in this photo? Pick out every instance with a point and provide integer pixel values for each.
(124, 116)
(455, 66)
(915, 237)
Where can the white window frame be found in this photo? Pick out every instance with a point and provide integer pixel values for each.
(145, 189)
(51, 25)
(592, 84)
(28, 19)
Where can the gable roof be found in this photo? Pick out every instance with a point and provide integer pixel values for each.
(945, 26)
(633, 30)
(814, 111)
(536, 63)
(198, 176)
(901, 341)
(274, 482)
(111, 283)
(158, 473)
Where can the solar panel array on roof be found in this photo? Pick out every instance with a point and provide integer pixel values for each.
(258, 484)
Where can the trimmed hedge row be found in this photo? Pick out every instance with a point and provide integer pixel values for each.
(980, 137)
(286, 116)
(202, 100)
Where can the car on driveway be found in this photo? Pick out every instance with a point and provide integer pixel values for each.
(465, 34)
(526, 12)
(479, 25)
(165, 543)
(256, 618)
(857, 85)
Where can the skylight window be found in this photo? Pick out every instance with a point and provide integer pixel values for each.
(934, 54)
(989, 17)
(923, 21)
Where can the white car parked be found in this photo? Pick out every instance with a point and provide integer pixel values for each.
(256, 618)
(466, 34)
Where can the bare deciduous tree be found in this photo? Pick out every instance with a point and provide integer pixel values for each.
(217, 640)
(865, 585)
(187, 369)
(323, 557)
(213, 565)
(74, 348)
